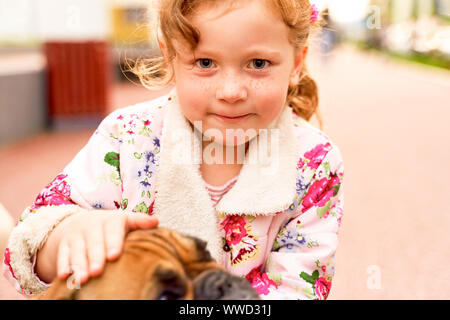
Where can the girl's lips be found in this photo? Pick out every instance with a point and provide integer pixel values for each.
(232, 119)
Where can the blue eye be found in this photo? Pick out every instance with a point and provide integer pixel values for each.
(259, 63)
(204, 63)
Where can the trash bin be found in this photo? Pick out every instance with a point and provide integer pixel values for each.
(79, 79)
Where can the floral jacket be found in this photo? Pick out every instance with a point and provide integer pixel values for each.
(277, 226)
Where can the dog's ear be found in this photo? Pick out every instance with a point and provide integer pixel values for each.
(59, 290)
(202, 252)
(200, 259)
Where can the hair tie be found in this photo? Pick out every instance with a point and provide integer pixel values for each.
(314, 13)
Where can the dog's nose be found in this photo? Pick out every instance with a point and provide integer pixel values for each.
(215, 284)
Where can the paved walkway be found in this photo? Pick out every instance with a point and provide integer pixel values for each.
(390, 121)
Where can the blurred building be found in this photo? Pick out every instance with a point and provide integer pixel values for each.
(65, 55)
(418, 30)
(420, 26)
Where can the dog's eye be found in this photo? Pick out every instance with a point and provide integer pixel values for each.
(172, 286)
(173, 291)
(171, 295)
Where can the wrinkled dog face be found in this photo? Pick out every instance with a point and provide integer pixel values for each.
(158, 264)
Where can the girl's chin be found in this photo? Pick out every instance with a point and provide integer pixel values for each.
(226, 143)
(229, 137)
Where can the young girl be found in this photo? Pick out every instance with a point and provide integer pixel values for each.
(237, 66)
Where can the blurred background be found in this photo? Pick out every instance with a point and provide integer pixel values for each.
(382, 68)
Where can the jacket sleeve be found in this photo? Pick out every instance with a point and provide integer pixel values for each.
(301, 263)
(90, 181)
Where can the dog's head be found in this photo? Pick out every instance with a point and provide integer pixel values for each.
(158, 264)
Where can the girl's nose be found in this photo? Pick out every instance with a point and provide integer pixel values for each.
(231, 90)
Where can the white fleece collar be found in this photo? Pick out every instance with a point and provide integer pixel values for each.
(266, 184)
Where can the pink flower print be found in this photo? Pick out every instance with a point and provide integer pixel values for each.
(130, 132)
(147, 122)
(314, 13)
(120, 117)
(150, 209)
(7, 262)
(300, 163)
(320, 192)
(260, 281)
(61, 186)
(322, 288)
(240, 243)
(56, 193)
(337, 209)
(234, 227)
(316, 155)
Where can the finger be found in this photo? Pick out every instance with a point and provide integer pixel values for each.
(114, 233)
(140, 221)
(95, 251)
(78, 258)
(63, 260)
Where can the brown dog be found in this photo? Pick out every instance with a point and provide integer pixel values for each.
(158, 264)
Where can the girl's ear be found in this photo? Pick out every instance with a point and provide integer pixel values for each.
(299, 59)
(162, 44)
(165, 53)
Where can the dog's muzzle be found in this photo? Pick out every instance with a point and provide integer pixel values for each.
(216, 284)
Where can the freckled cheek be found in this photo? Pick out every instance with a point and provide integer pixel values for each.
(269, 95)
(206, 86)
(258, 85)
(193, 98)
(271, 88)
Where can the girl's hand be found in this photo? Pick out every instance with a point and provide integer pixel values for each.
(82, 242)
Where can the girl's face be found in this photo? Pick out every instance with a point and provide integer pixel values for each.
(241, 68)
